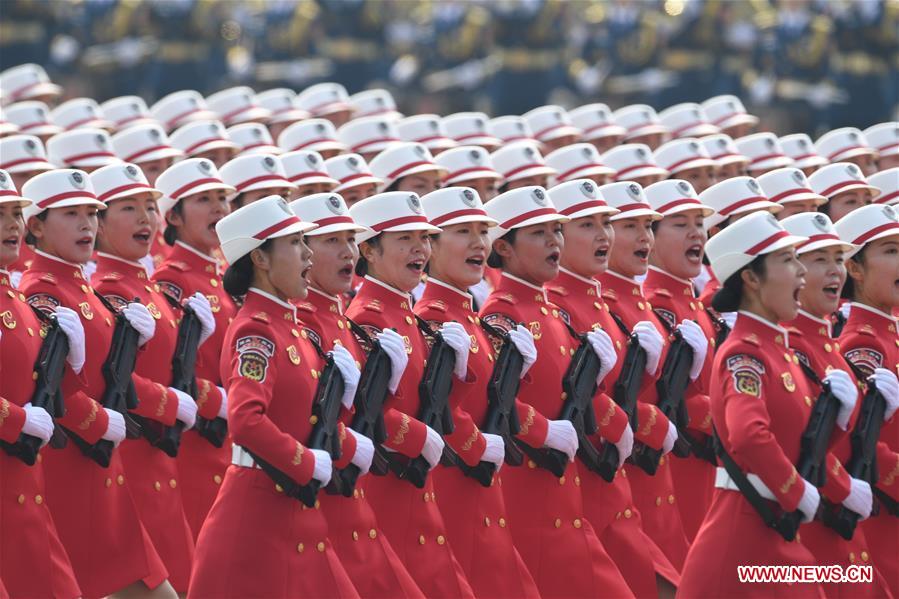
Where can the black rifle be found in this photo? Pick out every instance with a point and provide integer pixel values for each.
(434, 410)
(119, 395)
(502, 417)
(626, 390)
(723, 330)
(839, 321)
(184, 362)
(325, 417)
(368, 419)
(862, 461)
(671, 387)
(50, 368)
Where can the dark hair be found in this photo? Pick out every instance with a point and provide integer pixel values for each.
(237, 201)
(239, 276)
(494, 260)
(503, 188)
(848, 291)
(727, 299)
(29, 238)
(825, 208)
(170, 234)
(394, 186)
(361, 268)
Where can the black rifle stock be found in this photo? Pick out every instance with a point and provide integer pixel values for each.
(626, 391)
(368, 419)
(50, 368)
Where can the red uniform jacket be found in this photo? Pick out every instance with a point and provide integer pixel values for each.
(409, 515)
(557, 542)
(33, 562)
(201, 465)
(92, 507)
(256, 541)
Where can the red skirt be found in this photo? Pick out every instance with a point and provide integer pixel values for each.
(734, 535)
(830, 548)
(157, 494)
(694, 481)
(654, 497)
(33, 562)
(98, 523)
(201, 470)
(482, 540)
(610, 509)
(256, 542)
(364, 550)
(413, 524)
(558, 544)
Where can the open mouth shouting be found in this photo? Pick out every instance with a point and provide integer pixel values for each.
(347, 271)
(642, 255)
(11, 242)
(694, 254)
(553, 258)
(832, 291)
(85, 242)
(476, 260)
(602, 252)
(143, 236)
(417, 266)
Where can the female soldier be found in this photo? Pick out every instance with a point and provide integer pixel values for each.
(475, 513)
(127, 227)
(758, 412)
(256, 176)
(194, 200)
(546, 513)
(364, 550)
(628, 259)
(811, 340)
(34, 562)
(257, 541)
(356, 181)
(470, 166)
(845, 187)
(394, 252)
(93, 510)
(609, 506)
(408, 167)
(675, 260)
(870, 343)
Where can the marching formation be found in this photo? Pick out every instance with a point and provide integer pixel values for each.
(302, 345)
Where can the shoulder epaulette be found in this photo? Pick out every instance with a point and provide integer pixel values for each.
(557, 289)
(609, 295)
(437, 304)
(48, 277)
(660, 292)
(261, 317)
(181, 266)
(373, 306)
(506, 297)
(305, 306)
(752, 339)
(112, 276)
(866, 329)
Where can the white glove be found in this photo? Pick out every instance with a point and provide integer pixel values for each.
(652, 342)
(808, 505)
(729, 318)
(345, 363)
(365, 452)
(200, 304)
(15, 278)
(696, 339)
(395, 347)
(187, 409)
(670, 438)
(38, 423)
(223, 409)
(844, 389)
(433, 448)
(888, 386)
(321, 471)
(604, 350)
(457, 338)
(139, 318)
(115, 430)
(524, 342)
(625, 445)
(560, 434)
(495, 451)
(860, 499)
(70, 323)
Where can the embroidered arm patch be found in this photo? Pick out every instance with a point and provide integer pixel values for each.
(44, 302)
(865, 359)
(254, 355)
(746, 372)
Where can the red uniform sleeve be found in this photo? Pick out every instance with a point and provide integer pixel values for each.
(209, 399)
(534, 425)
(12, 419)
(405, 434)
(249, 423)
(347, 446)
(699, 413)
(888, 470)
(611, 420)
(155, 401)
(836, 485)
(652, 425)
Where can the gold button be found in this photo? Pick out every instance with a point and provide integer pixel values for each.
(355, 493)
(421, 539)
(300, 548)
(571, 351)
(84, 288)
(173, 483)
(787, 357)
(21, 499)
(11, 293)
(340, 324)
(502, 522)
(355, 536)
(279, 489)
(563, 396)
(318, 504)
(108, 482)
(213, 282)
(441, 540)
(562, 349)
(313, 419)
(490, 357)
(658, 501)
(864, 554)
(532, 464)
(217, 479)
(108, 322)
(577, 481)
(577, 522)
(671, 499)
(372, 534)
(320, 547)
(120, 479)
(808, 401)
(427, 497)
(30, 332)
(555, 313)
(543, 310)
(828, 348)
(661, 462)
(408, 319)
(304, 334)
(562, 480)
(38, 499)
(34, 375)
(795, 359)
(641, 305)
(558, 523)
(597, 305)
(628, 513)
(294, 332)
(157, 485)
(487, 521)
(851, 558)
(314, 373)
(692, 306)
